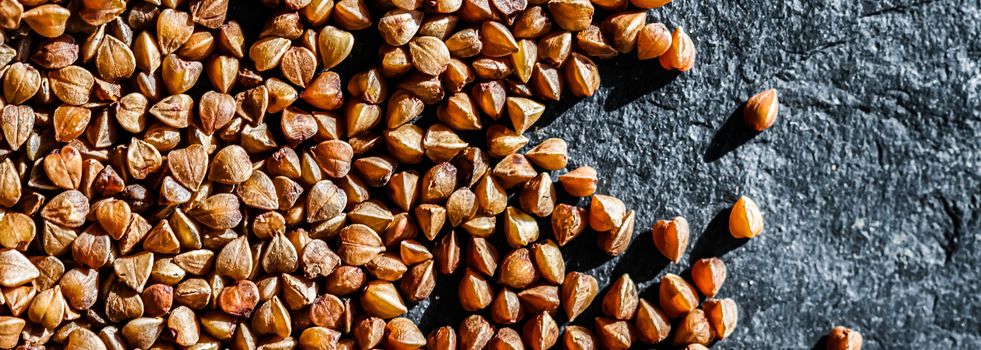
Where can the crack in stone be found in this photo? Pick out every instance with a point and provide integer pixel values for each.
(952, 237)
(880, 152)
(810, 53)
(896, 9)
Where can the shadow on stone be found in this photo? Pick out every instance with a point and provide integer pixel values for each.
(583, 252)
(555, 109)
(622, 78)
(641, 260)
(626, 79)
(732, 134)
(716, 241)
(821, 344)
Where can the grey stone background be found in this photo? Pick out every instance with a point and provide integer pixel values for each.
(869, 181)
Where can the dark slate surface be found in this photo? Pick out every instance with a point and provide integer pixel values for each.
(869, 181)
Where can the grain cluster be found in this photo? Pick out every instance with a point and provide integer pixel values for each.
(173, 179)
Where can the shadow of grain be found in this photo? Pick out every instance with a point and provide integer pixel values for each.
(641, 260)
(731, 135)
(623, 80)
(715, 240)
(626, 79)
(821, 344)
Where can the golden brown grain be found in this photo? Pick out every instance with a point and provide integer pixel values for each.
(761, 110)
(671, 237)
(842, 338)
(676, 296)
(745, 219)
(708, 275)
